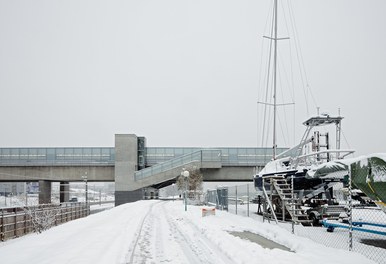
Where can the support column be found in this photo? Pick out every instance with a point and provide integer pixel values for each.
(64, 192)
(44, 192)
(126, 163)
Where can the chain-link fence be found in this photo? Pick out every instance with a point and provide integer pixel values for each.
(240, 199)
(351, 220)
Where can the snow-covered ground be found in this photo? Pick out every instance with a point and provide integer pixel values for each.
(161, 231)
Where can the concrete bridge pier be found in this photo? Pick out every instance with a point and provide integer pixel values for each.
(64, 192)
(44, 192)
(126, 163)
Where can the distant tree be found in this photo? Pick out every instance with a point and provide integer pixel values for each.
(195, 180)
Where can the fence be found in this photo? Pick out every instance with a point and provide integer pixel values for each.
(19, 221)
(361, 227)
(240, 200)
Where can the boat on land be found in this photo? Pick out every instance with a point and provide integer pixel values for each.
(314, 166)
(298, 163)
(303, 162)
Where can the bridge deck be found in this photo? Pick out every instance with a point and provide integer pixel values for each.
(105, 156)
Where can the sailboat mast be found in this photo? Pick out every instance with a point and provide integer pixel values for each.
(274, 82)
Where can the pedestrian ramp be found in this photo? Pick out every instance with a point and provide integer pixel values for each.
(168, 170)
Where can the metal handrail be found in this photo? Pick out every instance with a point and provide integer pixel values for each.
(196, 156)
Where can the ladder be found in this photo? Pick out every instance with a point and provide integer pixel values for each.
(282, 198)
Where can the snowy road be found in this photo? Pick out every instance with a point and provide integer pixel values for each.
(173, 242)
(163, 232)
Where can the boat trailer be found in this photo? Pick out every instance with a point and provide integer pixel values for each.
(357, 226)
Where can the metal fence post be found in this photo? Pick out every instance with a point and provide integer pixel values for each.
(25, 223)
(293, 204)
(350, 209)
(264, 203)
(248, 200)
(236, 199)
(2, 235)
(15, 226)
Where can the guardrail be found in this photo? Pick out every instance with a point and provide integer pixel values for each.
(16, 221)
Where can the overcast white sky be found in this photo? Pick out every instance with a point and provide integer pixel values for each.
(180, 73)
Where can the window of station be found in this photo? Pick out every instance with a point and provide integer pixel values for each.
(78, 155)
(105, 154)
(51, 153)
(14, 154)
(87, 154)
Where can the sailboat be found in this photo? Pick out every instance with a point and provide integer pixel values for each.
(312, 165)
(300, 162)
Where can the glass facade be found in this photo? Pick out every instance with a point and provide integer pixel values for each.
(152, 156)
(159, 155)
(56, 156)
(229, 156)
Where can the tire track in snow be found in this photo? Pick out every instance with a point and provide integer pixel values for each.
(161, 238)
(132, 251)
(197, 247)
(155, 241)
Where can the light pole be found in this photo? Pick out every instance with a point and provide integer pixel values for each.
(26, 195)
(84, 177)
(185, 174)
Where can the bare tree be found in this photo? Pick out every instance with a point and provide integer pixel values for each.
(194, 183)
(42, 216)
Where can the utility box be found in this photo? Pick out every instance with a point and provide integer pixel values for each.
(222, 198)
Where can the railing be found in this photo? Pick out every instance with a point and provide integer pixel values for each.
(16, 222)
(197, 156)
